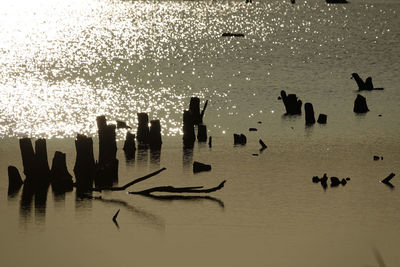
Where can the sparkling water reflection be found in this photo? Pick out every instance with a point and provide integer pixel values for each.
(65, 62)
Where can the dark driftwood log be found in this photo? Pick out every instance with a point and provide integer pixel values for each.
(171, 189)
(263, 145)
(387, 179)
(230, 34)
(121, 188)
(292, 104)
(310, 119)
(84, 164)
(322, 119)
(61, 179)
(202, 133)
(155, 140)
(14, 179)
(360, 104)
(143, 130)
(188, 129)
(129, 146)
(200, 167)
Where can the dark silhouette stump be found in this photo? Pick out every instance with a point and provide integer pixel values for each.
(200, 167)
(360, 104)
(292, 104)
(155, 135)
(107, 166)
(188, 129)
(129, 146)
(61, 179)
(239, 139)
(143, 130)
(84, 168)
(322, 119)
(310, 119)
(14, 179)
(202, 133)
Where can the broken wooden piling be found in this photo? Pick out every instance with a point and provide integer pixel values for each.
(155, 140)
(143, 130)
(202, 133)
(310, 119)
(61, 179)
(188, 129)
(84, 167)
(292, 103)
(107, 166)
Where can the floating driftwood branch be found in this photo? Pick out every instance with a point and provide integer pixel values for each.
(171, 189)
(121, 188)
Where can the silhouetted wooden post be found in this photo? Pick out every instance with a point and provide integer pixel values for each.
(292, 104)
(202, 133)
(322, 118)
(107, 166)
(155, 134)
(84, 164)
(360, 104)
(194, 107)
(239, 139)
(310, 119)
(28, 156)
(210, 141)
(61, 179)
(143, 130)
(41, 159)
(129, 146)
(14, 179)
(188, 129)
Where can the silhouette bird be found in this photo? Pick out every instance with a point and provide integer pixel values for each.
(364, 86)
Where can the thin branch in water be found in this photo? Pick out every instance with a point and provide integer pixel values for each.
(171, 189)
(115, 219)
(379, 258)
(124, 187)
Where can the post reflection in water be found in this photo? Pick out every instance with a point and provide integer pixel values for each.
(187, 159)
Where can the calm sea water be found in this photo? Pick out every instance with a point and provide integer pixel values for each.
(63, 63)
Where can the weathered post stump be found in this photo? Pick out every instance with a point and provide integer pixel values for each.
(200, 167)
(84, 168)
(194, 107)
(239, 139)
(188, 129)
(310, 119)
(322, 119)
(129, 146)
(292, 104)
(143, 130)
(202, 133)
(14, 179)
(107, 166)
(61, 179)
(360, 104)
(155, 135)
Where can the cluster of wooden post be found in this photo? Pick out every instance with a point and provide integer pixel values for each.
(37, 171)
(191, 118)
(148, 136)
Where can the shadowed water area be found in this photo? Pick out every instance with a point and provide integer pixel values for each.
(63, 63)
